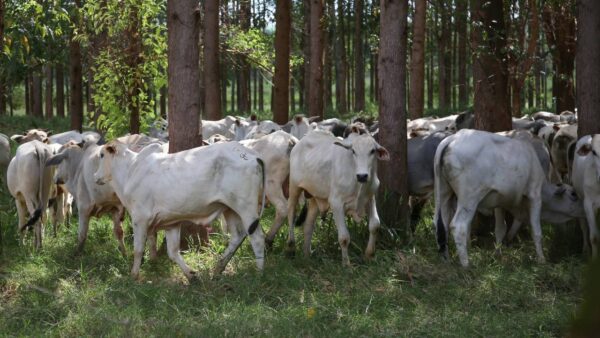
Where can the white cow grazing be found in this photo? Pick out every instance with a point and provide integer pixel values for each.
(274, 149)
(341, 175)
(481, 171)
(223, 126)
(30, 135)
(196, 185)
(586, 181)
(76, 165)
(29, 182)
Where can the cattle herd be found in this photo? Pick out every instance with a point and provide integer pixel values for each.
(537, 172)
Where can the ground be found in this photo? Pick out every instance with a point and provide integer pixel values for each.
(407, 290)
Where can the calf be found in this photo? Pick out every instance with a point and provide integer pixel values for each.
(196, 185)
(341, 175)
(29, 182)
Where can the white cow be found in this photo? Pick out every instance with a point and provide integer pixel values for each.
(299, 126)
(274, 149)
(224, 126)
(480, 171)
(29, 182)
(560, 144)
(4, 156)
(196, 185)
(74, 135)
(30, 135)
(341, 175)
(76, 165)
(586, 181)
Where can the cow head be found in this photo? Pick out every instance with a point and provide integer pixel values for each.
(32, 134)
(365, 151)
(104, 173)
(562, 199)
(592, 149)
(67, 154)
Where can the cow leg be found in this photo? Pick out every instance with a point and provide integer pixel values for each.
(590, 213)
(22, 214)
(233, 224)
(499, 229)
(460, 225)
(292, 202)
(536, 228)
(309, 225)
(373, 228)
(257, 240)
(514, 229)
(140, 232)
(173, 239)
(275, 195)
(343, 234)
(82, 232)
(38, 231)
(59, 212)
(117, 218)
(586, 236)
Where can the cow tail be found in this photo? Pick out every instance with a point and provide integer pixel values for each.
(264, 190)
(302, 216)
(442, 198)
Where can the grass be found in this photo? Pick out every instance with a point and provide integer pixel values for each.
(407, 290)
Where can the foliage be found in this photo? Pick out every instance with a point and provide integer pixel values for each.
(118, 85)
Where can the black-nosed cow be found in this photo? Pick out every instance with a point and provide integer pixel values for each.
(196, 185)
(341, 175)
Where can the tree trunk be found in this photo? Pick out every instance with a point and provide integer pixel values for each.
(76, 79)
(417, 62)
(163, 102)
(315, 97)
(306, 41)
(244, 72)
(212, 86)
(27, 96)
(327, 62)
(490, 73)
(340, 64)
(560, 27)
(133, 59)
(49, 78)
(60, 90)
(393, 191)
(281, 79)
(444, 57)
(588, 67)
(36, 93)
(430, 76)
(461, 31)
(2, 80)
(359, 60)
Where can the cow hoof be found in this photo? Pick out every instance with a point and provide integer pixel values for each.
(193, 278)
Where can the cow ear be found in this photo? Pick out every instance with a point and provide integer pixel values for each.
(584, 150)
(343, 145)
(81, 144)
(49, 133)
(253, 117)
(17, 138)
(111, 149)
(556, 127)
(237, 122)
(413, 134)
(298, 118)
(382, 153)
(56, 159)
(205, 143)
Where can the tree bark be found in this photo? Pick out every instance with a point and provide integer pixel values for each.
(60, 90)
(281, 79)
(212, 86)
(133, 60)
(75, 78)
(340, 64)
(315, 97)
(36, 93)
(27, 96)
(393, 191)
(417, 62)
(306, 42)
(461, 30)
(490, 73)
(183, 29)
(359, 60)
(588, 67)
(244, 72)
(327, 55)
(49, 91)
(560, 27)
(163, 102)
(2, 80)
(444, 57)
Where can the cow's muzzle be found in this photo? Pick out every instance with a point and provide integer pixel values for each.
(362, 178)
(100, 181)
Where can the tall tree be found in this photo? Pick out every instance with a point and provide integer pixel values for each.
(588, 67)
(393, 191)
(183, 18)
(75, 76)
(416, 99)
(281, 79)
(359, 60)
(560, 28)
(60, 90)
(340, 61)
(490, 72)
(244, 71)
(37, 96)
(306, 41)
(212, 69)
(134, 58)
(444, 41)
(2, 83)
(461, 31)
(49, 91)
(315, 93)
